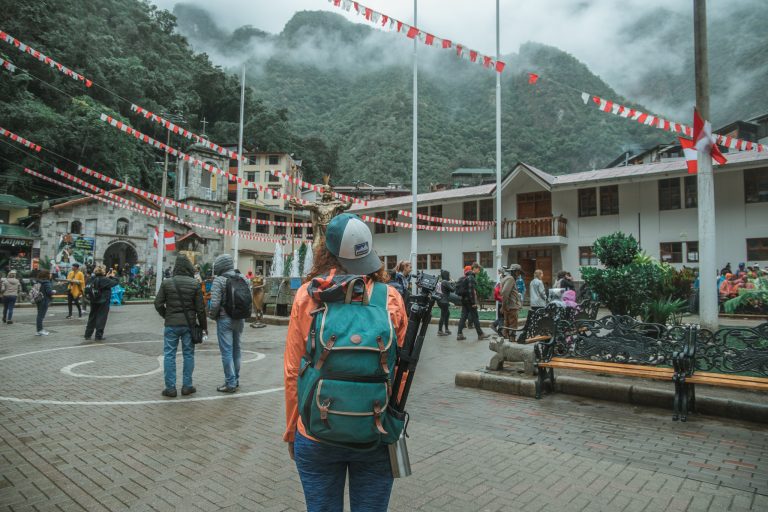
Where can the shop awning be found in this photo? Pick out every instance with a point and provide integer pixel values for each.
(17, 232)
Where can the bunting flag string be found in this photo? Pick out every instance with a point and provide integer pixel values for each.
(412, 32)
(8, 65)
(123, 127)
(653, 121)
(423, 227)
(88, 194)
(185, 206)
(21, 140)
(184, 132)
(316, 188)
(24, 48)
(154, 213)
(443, 220)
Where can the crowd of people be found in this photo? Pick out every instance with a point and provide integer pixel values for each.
(746, 277)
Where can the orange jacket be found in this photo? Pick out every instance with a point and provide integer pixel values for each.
(295, 343)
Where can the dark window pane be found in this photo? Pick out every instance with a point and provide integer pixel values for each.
(468, 258)
(671, 252)
(609, 200)
(691, 192)
(669, 194)
(436, 261)
(280, 230)
(587, 202)
(757, 249)
(486, 259)
(486, 209)
(469, 210)
(587, 257)
(262, 228)
(756, 185)
(692, 252)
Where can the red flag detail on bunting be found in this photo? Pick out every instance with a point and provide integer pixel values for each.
(500, 66)
(412, 32)
(702, 136)
(533, 78)
(430, 39)
(446, 43)
(170, 240)
(689, 150)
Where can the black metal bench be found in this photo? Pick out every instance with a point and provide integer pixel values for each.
(614, 345)
(733, 357)
(539, 324)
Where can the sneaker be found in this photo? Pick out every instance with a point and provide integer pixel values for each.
(9, 322)
(482, 337)
(68, 317)
(87, 338)
(169, 392)
(447, 332)
(100, 338)
(225, 389)
(188, 390)
(460, 337)
(42, 333)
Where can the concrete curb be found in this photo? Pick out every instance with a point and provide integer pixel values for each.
(617, 390)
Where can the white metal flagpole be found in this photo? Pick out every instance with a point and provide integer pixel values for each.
(161, 224)
(414, 180)
(498, 146)
(236, 241)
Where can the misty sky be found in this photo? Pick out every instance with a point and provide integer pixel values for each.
(588, 29)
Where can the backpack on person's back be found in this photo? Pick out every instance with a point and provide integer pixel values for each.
(462, 287)
(93, 291)
(237, 301)
(36, 294)
(345, 374)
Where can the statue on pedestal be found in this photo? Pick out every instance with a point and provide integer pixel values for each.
(322, 212)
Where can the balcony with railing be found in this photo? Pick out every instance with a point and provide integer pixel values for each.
(551, 230)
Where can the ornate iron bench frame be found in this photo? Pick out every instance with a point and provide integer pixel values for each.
(720, 363)
(599, 345)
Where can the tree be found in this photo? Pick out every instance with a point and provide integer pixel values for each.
(484, 285)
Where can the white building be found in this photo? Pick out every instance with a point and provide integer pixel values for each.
(550, 222)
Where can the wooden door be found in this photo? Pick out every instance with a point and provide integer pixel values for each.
(534, 259)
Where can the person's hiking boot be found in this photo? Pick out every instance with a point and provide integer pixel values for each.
(188, 390)
(169, 392)
(460, 337)
(481, 337)
(226, 389)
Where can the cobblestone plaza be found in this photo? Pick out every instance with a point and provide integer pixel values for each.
(84, 428)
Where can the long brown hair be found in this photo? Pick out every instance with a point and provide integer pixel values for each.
(43, 274)
(324, 262)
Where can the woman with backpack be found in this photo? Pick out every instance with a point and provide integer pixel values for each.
(9, 290)
(42, 295)
(444, 302)
(340, 356)
(99, 292)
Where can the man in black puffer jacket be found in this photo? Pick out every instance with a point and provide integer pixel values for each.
(179, 295)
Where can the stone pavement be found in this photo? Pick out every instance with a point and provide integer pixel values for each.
(83, 427)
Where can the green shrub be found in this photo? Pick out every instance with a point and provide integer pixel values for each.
(616, 250)
(484, 284)
(627, 289)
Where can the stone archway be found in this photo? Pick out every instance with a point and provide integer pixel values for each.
(119, 253)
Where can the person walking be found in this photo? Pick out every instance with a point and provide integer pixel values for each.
(538, 292)
(497, 298)
(99, 291)
(179, 296)
(511, 299)
(9, 290)
(230, 298)
(75, 288)
(444, 302)
(45, 291)
(469, 302)
(324, 467)
(401, 280)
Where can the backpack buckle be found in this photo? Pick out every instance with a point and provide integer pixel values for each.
(323, 407)
(377, 410)
(326, 351)
(383, 354)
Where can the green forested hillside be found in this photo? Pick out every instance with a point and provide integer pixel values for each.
(132, 49)
(351, 86)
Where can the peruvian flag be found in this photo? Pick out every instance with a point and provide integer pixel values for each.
(170, 240)
(689, 150)
(702, 137)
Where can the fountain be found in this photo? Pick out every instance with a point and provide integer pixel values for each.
(277, 262)
(308, 259)
(295, 264)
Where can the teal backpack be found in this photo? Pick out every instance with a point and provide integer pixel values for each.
(345, 377)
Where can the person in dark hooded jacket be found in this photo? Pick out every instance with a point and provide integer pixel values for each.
(177, 295)
(101, 285)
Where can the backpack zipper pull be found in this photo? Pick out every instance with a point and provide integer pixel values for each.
(324, 412)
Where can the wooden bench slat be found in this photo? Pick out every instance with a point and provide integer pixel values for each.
(730, 383)
(610, 364)
(542, 337)
(621, 369)
(730, 376)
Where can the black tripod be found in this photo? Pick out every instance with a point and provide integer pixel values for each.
(419, 315)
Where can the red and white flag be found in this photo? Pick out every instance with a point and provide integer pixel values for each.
(689, 150)
(702, 138)
(170, 240)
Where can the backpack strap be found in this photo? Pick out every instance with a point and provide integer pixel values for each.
(351, 291)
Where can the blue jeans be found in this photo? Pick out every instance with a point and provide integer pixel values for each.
(228, 332)
(323, 470)
(8, 302)
(42, 309)
(171, 339)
